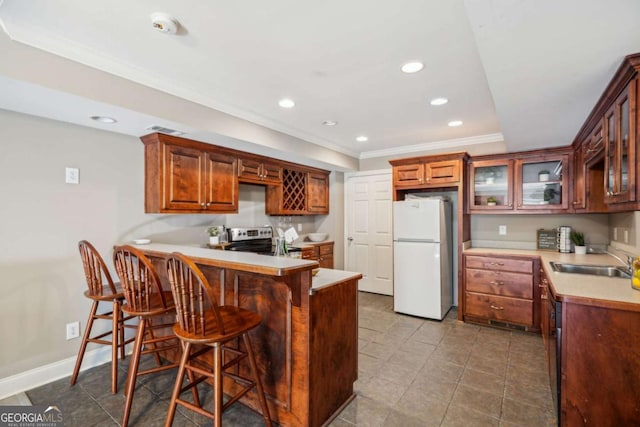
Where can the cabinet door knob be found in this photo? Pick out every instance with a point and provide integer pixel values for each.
(208, 204)
(202, 204)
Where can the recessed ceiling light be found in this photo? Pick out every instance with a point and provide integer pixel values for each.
(103, 119)
(454, 123)
(362, 138)
(286, 103)
(329, 123)
(438, 101)
(412, 67)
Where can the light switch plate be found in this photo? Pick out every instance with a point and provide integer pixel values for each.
(502, 230)
(72, 176)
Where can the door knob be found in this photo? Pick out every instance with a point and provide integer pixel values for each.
(350, 239)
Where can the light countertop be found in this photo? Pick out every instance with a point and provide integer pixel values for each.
(246, 261)
(578, 286)
(329, 277)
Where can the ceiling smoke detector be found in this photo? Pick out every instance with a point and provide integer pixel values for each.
(164, 23)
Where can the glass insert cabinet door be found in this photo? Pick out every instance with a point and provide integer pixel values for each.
(492, 187)
(540, 184)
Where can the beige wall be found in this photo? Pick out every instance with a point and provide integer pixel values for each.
(43, 219)
(626, 221)
(521, 229)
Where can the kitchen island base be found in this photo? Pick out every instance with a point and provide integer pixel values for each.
(306, 347)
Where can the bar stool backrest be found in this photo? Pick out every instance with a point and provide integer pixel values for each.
(140, 282)
(95, 270)
(194, 297)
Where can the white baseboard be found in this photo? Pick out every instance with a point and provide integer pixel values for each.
(54, 371)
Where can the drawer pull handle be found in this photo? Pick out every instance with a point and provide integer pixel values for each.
(493, 282)
(496, 307)
(496, 263)
(543, 297)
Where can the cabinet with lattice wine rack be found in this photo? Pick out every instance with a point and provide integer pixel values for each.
(303, 192)
(291, 197)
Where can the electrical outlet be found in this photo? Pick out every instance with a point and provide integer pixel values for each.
(72, 176)
(73, 330)
(502, 230)
(615, 233)
(626, 235)
(299, 227)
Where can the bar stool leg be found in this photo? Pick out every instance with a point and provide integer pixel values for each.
(85, 341)
(217, 392)
(254, 369)
(121, 339)
(178, 385)
(115, 341)
(133, 371)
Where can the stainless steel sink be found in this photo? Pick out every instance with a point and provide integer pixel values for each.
(594, 270)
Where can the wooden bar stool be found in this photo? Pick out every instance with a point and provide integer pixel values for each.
(146, 299)
(204, 326)
(102, 289)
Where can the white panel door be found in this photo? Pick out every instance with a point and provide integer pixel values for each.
(369, 227)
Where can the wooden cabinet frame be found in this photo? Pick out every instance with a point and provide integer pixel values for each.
(186, 176)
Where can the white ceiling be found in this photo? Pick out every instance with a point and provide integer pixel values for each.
(526, 70)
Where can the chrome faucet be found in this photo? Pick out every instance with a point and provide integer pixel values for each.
(628, 262)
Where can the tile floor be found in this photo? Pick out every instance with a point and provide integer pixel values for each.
(412, 372)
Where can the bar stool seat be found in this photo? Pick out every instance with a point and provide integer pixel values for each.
(102, 289)
(203, 326)
(145, 299)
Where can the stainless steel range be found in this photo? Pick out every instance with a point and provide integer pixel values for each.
(255, 239)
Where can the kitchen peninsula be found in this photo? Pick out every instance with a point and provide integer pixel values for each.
(307, 344)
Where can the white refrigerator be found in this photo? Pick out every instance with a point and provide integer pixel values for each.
(422, 264)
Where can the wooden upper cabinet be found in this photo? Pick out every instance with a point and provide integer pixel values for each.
(182, 180)
(259, 172)
(542, 183)
(301, 193)
(221, 187)
(187, 178)
(620, 128)
(491, 185)
(408, 175)
(317, 193)
(436, 173)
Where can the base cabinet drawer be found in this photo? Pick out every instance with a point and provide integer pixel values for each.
(500, 264)
(499, 283)
(506, 309)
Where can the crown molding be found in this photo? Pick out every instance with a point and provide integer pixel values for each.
(429, 146)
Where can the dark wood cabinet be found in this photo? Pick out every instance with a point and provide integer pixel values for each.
(183, 178)
(255, 171)
(302, 192)
(608, 175)
(317, 193)
(526, 182)
(427, 173)
(500, 291)
(600, 365)
(491, 185)
(535, 193)
(620, 143)
(321, 252)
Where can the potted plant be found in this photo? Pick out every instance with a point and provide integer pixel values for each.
(543, 175)
(214, 235)
(492, 201)
(577, 238)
